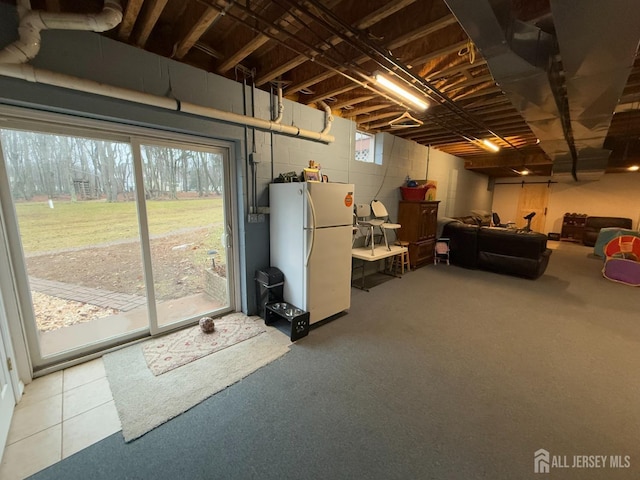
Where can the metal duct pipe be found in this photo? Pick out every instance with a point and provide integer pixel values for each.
(598, 45)
(566, 88)
(32, 22)
(31, 74)
(518, 61)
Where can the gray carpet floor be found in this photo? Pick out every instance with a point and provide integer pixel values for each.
(445, 373)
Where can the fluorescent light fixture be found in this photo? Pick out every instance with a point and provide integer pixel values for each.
(633, 168)
(490, 145)
(525, 172)
(398, 90)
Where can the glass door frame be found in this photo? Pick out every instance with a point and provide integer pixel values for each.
(55, 123)
(137, 144)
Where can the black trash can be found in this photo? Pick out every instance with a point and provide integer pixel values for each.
(270, 286)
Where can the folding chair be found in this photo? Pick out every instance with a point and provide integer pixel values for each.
(364, 220)
(381, 215)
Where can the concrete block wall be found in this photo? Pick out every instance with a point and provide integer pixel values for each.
(92, 56)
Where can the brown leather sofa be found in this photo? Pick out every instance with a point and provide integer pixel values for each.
(500, 250)
(592, 226)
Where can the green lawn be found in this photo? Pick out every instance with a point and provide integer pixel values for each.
(79, 224)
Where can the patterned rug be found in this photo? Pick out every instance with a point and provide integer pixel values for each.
(145, 401)
(179, 348)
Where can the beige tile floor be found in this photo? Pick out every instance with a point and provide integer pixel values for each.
(59, 415)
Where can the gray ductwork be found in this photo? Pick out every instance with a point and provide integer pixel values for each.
(565, 86)
(598, 43)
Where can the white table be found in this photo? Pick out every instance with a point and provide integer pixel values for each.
(368, 254)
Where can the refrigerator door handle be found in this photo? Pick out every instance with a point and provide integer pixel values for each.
(313, 227)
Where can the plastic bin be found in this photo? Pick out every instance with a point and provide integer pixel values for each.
(413, 193)
(270, 287)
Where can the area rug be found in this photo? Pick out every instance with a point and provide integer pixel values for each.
(145, 401)
(177, 349)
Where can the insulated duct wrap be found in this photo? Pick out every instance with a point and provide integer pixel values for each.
(598, 43)
(517, 55)
(565, 80)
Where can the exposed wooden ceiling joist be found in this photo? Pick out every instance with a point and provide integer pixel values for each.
(401, 41)
(194, 23)
(334, 40)
(129, 19)
(150, 15)
(329, 49)
(352, 101)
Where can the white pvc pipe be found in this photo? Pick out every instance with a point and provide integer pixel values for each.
(23, 6)
(278, 119)
(328, 119)
(14, 56)
(31, 74)
(32, 22)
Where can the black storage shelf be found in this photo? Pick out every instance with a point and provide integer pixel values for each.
(573, 227)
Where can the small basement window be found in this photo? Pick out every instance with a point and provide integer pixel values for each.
(365, 147)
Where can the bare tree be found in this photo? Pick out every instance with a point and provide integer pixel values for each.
(19, 168)
(41, 163)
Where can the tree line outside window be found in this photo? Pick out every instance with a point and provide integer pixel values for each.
(60, 166)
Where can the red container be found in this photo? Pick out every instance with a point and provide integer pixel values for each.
(413, 193)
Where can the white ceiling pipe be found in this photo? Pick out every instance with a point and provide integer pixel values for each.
(255, 122)
(328, 118)
(14, 56)
(31, 74)
(32, 22)
(278, 119)
(23, 6)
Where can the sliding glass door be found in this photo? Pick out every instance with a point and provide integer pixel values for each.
(186, 218)
(74, 202)
(120, 236)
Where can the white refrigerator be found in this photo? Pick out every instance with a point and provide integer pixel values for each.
(310, 233)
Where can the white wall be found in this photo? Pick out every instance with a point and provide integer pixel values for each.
(613, 195)
(96, 57)
(459, 190)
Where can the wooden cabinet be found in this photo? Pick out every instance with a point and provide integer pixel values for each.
(419, 222)
(573, 226)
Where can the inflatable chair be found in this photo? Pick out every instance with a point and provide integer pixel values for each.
(622, 260)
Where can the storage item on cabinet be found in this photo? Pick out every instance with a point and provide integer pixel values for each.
(573, 226)
(419, 222)
(413, 193)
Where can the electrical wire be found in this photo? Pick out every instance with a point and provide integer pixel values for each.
(428, 89)
(386, 170)
(321, 40)
(368, 49)
(338, 69)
